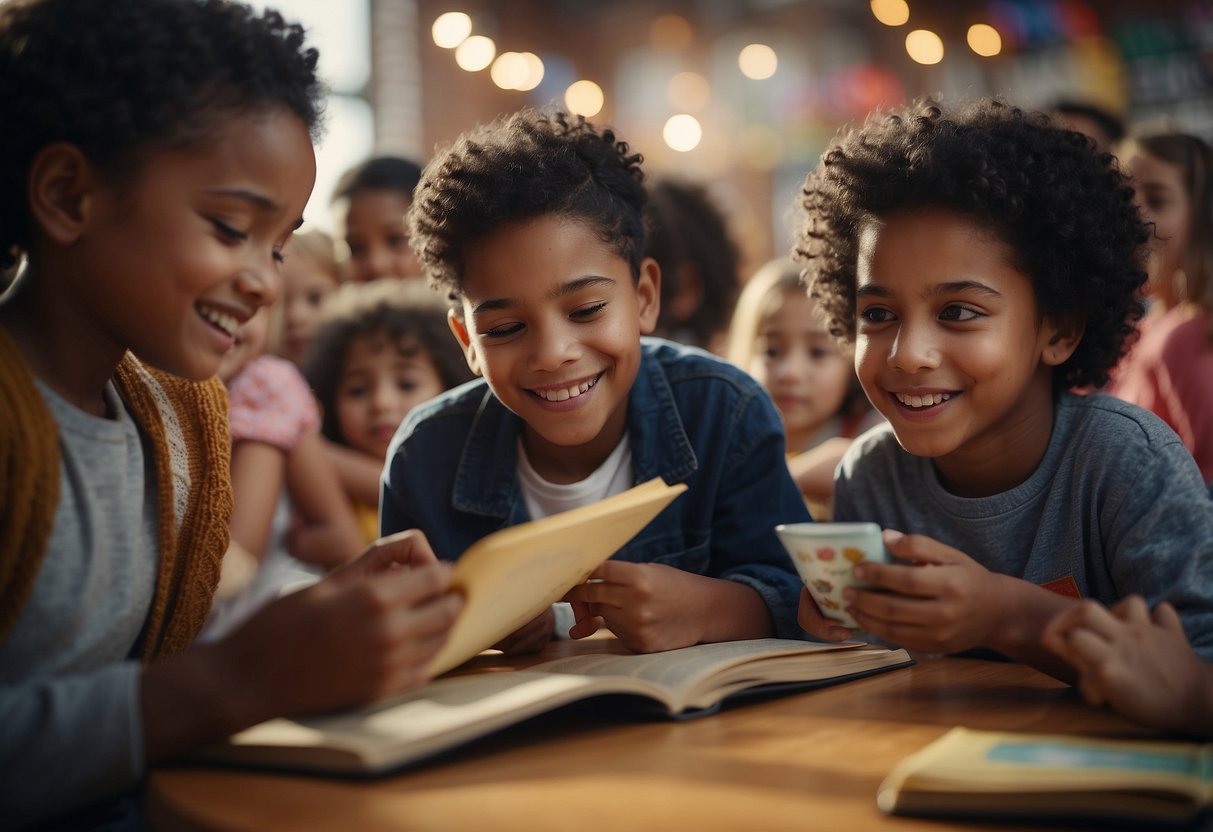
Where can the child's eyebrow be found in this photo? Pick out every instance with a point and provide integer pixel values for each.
(564, 289)
(954, 286)
(259, 200)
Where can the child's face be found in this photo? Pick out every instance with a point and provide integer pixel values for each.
(173, 264)
(377, 235)
(552, 320)
(950, 347)
(801, 366)
(1161, 197)
(304, 286)
(380, 384)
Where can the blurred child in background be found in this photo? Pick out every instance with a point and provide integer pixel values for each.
(688, 236)
(309, 273)
(777, 338)
(370, 203)
(381, 348)
(1170, 369)
(290, 520)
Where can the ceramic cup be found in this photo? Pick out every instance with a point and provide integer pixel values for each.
(824, 554)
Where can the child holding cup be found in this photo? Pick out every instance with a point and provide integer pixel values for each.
(984, 263)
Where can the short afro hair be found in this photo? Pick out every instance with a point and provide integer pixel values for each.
(1066, 212)
(117, 78)
(521, 167)
(379, 173)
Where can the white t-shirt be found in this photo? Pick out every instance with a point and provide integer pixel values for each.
(543, 499)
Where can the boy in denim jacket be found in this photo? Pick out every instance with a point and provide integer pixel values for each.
(533, 225)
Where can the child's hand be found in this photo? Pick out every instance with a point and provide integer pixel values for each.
(945, 602)
(531, 637)
(817, 625)
(409, 548)
(1139, 663)
(361, 633)
(652, 607)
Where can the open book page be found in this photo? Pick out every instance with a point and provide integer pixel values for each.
(513, 575)
(702, 675)
(1053, 774)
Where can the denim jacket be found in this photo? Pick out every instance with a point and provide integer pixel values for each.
(452, 472)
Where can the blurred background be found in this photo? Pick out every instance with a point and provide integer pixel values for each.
(739, 95)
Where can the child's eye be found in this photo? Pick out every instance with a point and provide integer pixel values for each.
(959, 314)
(587, 312)
(503, 331)
(279, 257)
(355, 392)
(819, 353)
(227, 231)
(398, 242)
(876, 315)
(406, 385)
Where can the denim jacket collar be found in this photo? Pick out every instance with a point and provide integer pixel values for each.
(486, 481)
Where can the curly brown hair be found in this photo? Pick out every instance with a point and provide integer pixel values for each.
(1066, 212)
(520, 167)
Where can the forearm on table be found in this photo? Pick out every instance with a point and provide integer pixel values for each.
(1023, 611)
(733, 611)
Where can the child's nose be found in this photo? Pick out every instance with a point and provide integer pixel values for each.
(260, 281)
(552, 347)
(914, 349)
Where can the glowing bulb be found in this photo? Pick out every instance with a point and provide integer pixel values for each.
(891, 12)
(984, 40)
(584, 98)
(689, 91)
(682, 132)
(924, 46)
(475, 53)
(451, 29)
(758, 61)
(534, 71)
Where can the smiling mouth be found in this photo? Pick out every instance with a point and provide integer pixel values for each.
(218, 319)
(919, 402)
(563, 394)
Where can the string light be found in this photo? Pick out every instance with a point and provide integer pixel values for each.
(758, 61)
(924, 46)
(451, 29)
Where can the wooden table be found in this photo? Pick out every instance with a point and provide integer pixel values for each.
(804, 761)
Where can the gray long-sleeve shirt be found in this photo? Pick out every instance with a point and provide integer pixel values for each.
(1116, 506)
(70, 728)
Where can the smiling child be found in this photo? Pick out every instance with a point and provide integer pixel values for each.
(534, 227)
(983, 263)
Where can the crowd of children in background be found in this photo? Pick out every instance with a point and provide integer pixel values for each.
(979, 304)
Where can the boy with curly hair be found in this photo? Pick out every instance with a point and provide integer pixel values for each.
(534, 226)
(984, 263)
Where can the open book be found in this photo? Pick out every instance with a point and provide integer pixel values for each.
(450, 711)
(514, 574)
(989, 773)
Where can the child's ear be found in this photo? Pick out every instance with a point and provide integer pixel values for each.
(61, 183)
(460, 331)
(1064, 337)
(648, 294)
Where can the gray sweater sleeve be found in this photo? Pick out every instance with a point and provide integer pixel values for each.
(68, 741)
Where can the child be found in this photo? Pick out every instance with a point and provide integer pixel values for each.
(370, 204)
(1138, 662)
(151, 171)
(776, 336)
(381, 349)
(534, 225)
(309, 274)
(983, 263)
(1170, 370)
(281, 476)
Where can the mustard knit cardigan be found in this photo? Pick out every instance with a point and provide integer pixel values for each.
(186, 426)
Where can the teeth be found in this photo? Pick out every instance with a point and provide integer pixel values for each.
(928, 400)
(224, 321)
(563, 395)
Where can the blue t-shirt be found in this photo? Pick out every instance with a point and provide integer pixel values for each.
(452, 472)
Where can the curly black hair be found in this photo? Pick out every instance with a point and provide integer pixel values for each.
(520, 167)
(687, 231)
(117, 78)
(1066, 212)
(407, 312)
